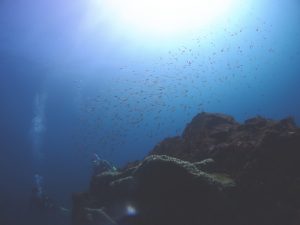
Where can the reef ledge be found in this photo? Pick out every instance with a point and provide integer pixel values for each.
(217, 172)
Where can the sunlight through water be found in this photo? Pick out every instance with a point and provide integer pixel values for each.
(160, 18)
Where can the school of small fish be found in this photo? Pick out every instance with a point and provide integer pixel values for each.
(144, 104)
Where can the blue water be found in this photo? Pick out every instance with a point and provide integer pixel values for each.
(67, 91)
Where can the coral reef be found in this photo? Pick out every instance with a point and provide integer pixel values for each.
(218, 172)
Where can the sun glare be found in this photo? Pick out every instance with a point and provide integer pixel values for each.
(164, 17)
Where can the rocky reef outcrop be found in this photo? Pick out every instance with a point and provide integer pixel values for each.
(217, 172)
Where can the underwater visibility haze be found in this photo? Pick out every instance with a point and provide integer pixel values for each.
(116, 77)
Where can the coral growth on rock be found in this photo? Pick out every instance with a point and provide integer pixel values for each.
(218, 172)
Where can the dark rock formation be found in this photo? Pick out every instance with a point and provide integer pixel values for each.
(230, 144)
(218, 172)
